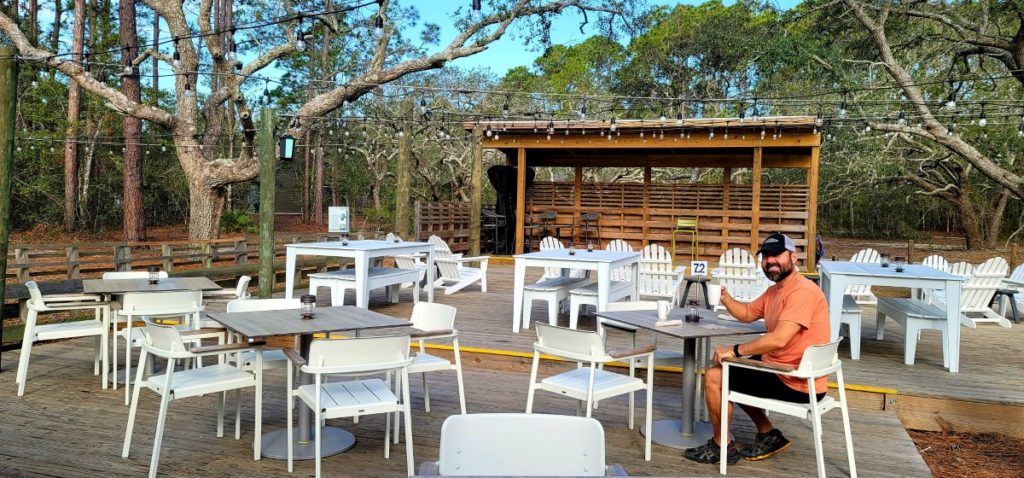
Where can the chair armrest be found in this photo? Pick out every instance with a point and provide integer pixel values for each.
(649, 349)
(222, 292)
(73, 297)
(759, 364)
(294, 357)
(203, 333)
(422, 334)
(228, 347)
(482, 259)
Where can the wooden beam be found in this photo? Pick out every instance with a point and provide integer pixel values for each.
(476, 188)
(647, 187)
(812, 211)
(726, 182)
(520, 199)
(755, 202)
(633, 141)
(268, 153)
(576, 201)
(739, 159)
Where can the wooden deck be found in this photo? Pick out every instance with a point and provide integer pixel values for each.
(66, 425)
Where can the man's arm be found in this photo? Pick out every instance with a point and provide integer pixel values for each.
(784, 331)
(738, 309)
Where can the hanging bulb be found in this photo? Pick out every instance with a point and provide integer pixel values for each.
(711, 133)
(726, 134)
(176, 57)
(85, 64)
(1020, 129)
(505, 110)
(982, 121)
(763, 132)
(613, 126)
(477, 15)
(163, 148)
(902, 119)
(867, 127)
(583, 111)
(641, 134)
(35, 83)
(266, 96)
(378, 28)
(842, 109)
(232, 54)
(188, 89)
(488, 132)
(423, 106)
(662, 118)
(300, 41)
(679, 118)
(743, 113)
(753, 110)
(551, 128)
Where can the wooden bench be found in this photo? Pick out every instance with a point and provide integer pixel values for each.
(851, 316)
(913, 315)
(390, 277)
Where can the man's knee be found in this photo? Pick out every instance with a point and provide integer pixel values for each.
(713, 378)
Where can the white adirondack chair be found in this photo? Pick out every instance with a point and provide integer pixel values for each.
(1017, 276)
(551, 243)
(657, 277)
(978, 292)
(862, 293)
(410, 262)
(454, 276)
(619, 287)
(737, 273)
(936, 261)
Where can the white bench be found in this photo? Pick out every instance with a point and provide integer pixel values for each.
(554, 291)
(851, 316)
(914, 315)
(390, 277)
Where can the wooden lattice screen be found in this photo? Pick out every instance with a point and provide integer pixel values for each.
(626, 214)
(449, 221)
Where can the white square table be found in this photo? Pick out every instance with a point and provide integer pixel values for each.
(837, 275)
(598, 260)
(362, 252)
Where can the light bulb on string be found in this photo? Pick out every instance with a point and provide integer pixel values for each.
(176, 56)
(1020, 128)
(551, 128)
(612, 127)
(753, 110)
(662, 118)
(478, 14)
(423, 106)
(679, 118)
(300, 41)
(951, 101)
(867, 127)
(505, 110)
(763, 132)
(487, 131)
(232, 53)
(583, 111)
(982, 121)
(266, 94)
(725, 135)
(743, 112)
(85, 64)
(378, 28)
(188, 87)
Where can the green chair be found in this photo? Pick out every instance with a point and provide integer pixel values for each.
(686, 226)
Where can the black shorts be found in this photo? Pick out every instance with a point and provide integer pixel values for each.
(764, 385)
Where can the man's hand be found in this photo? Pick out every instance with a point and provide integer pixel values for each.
(723, 352)
(725, 295)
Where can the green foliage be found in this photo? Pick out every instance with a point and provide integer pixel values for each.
(233, 220)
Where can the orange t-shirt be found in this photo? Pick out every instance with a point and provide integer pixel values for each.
(799, 301)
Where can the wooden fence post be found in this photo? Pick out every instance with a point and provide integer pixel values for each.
(122, 258)
(74, 268)
(21, 262)
(241, 252)
(167, 253)
(206, 249)
(476, 191)
(417, 225)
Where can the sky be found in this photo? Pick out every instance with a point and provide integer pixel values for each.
(508, 53)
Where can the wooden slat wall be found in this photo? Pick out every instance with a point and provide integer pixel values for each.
(449, 221)
(623, 216)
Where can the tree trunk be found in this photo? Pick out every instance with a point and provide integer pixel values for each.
(33, 21)
(156, 61)
(305, 180)
(205, 207)
(969, 217)
(996, 223)
(58, 12)
(74, 108)
(318, 184)
(134, 209)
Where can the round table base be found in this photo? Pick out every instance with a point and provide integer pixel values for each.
(335, 440)
(670, 433)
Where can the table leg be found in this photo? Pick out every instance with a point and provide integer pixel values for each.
(952, 334)
(684, 433)
(704, 287)
(334, 440)
(833, 290)
(289, 274)
(603, 284)
(430, 274)
(517, 295)
(362, 281)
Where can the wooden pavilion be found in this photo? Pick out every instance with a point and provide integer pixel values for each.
(730, 214)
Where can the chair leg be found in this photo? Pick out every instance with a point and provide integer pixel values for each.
(650, 405)
(290, 398)
(131, 419)
(533, 382)
(221, 400)
(945, 350)
(574, 313)
(407, 412)
(238, 413)
(398, 392)
(105, 344)
(26, 351)
(458, 376)
(819, 452)
(879, 325)
(527, 313)
(161, 420)
(316, 436)
(846, 422)
(426, 394)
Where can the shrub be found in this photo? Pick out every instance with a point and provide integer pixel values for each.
(234, 220)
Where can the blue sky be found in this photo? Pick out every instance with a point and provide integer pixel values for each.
(508, 53)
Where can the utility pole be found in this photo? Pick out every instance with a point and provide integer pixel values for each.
(8, 104)
(268, 155)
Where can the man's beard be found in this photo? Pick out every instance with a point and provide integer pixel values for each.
(779, 276)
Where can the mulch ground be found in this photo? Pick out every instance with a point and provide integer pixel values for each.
(980, 455)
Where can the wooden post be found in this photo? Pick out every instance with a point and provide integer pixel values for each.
(577, 198)
(206, 249)
(122, 258)
(74, 268)
(8, 105)
(755, 202)
(476, 191)
(418, 224)
(404, 173)
(268, 155)
(241, 252)
(910, 251)
(647, 203)
(167, 256)
(520, 199)
(812, 210)
(21, 262)
(726, 185)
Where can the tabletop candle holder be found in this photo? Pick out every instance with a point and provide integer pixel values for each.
(308, 301)
(572, 251)
(885, 260)
(344, 240)
(692, 312)
(900, 262)
(590, 247)
(154, 274)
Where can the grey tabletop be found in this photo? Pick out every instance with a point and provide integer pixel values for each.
(710, 324)
(580, 255)
(363, 245)
(273, 323)
(910, 271)
(167, 284)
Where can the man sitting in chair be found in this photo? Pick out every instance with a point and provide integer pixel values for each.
(795, 314)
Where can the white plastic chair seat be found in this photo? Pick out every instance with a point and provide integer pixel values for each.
(423, 362)
(802, 410)
(345, 399)
(65, 330)
(587, 295)
(607, 384)
(202, 380)
(272, 359)
(553, 291)
(590, 290)
(557, 283)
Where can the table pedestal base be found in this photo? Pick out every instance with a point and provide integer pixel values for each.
(670, 433)
(335, 440)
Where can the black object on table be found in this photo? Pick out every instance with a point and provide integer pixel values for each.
(703, 282)
(1009, 293)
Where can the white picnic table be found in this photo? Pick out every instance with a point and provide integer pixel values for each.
(837, 275)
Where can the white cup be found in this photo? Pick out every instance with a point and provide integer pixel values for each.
(714, 294)
(664, 307)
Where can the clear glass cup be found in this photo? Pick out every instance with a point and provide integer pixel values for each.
(900, 262)
(154, 275)
(590, 247)
(885, 260)
(308, 302)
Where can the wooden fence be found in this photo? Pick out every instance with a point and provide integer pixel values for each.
(449, 221)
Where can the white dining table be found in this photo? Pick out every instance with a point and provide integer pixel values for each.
(603, 262)
(837, 275)
(362, 252)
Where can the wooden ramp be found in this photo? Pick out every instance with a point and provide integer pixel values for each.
(65, 425)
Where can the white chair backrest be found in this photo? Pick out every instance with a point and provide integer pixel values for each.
(654, 258)
(527, 445)
(868, 255)
(255, 305)
(165, 339)
(625, 306)
(569, 343)
(820, 357)
(242, 288)
(441, 249)
(391, 237)
(136, 302)
(737, 272)
(982, 284)
(618, 245)
(937, 262)
(358, 355)
(550, 243)
(962, 269)
(405, 262)
(994, 267)
(1018, 274)
(623, 273)
(131, 275)
(433, 316)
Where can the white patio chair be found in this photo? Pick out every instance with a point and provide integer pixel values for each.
(168, 342)
(620, 286)
(737, 272)
(453, 274)
(588, 383)
(553, 445)
(936, 262)
(352, 398)
(978, 292)
(1017, 276)
(434, 322)
(409, 262)
(862, 293)
(817, 361)
(658, 279)
(97, 327)
(184, 306)
(239, 291)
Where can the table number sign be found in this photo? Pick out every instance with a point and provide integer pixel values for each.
(699, 268)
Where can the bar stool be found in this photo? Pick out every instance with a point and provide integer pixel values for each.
(686, 225)
(591, 221)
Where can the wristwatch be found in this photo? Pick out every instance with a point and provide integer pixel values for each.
(736, 350)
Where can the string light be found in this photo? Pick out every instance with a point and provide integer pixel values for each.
(232, 52)
(423, 106)
(176, 57)
(300, 38)
(951, 101)
(478, 14)
(842, 106)
(378, 28)
(982, 121)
